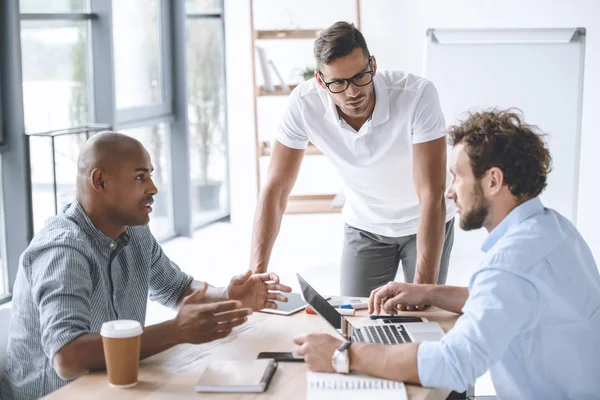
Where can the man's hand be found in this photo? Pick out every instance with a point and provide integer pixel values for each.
(317, 349)
(256, 291)
(201, 323)
(420, 281)
(398, 296)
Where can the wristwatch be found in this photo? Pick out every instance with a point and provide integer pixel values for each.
(341, 359)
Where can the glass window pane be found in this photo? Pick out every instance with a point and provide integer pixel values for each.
(199, 6)
(155, 140)
(54, 6)
(55, 74)
(1, 119)
(67, 149)
(206, 109)
(3, 266)
(136, 38)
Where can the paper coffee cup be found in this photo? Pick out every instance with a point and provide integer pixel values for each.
(121, 341)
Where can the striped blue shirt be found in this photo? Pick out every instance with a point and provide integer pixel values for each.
(71, 279)
(532, 317)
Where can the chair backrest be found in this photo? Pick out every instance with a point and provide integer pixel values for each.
(4, 322)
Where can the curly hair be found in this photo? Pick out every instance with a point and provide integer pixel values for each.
(502, 139)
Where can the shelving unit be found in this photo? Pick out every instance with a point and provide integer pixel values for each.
(265, 149)
(297, 204)
(297, 34)
(278, 91)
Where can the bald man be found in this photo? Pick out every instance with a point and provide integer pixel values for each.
(97, 261)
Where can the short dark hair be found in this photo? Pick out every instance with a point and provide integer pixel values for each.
(501, 138)
(339, 40)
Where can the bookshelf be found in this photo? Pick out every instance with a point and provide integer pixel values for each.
(288, 34)
(297, 204)
(265, 149)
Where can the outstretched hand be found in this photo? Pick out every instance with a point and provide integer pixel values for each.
(200, 323)
(257, 291)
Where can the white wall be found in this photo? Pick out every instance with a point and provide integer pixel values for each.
(240, 119)
(395, 31)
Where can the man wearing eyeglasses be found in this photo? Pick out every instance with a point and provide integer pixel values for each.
(386, 135)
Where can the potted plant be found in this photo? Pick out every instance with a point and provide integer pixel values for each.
(205, 92)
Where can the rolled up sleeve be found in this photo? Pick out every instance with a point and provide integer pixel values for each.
(167, 281)
(61, 288)
(500, 306)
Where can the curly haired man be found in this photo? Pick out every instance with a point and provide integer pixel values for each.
(531, 313)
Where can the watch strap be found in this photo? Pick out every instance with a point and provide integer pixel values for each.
(344, 346)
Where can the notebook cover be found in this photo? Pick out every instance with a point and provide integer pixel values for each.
(250, 376)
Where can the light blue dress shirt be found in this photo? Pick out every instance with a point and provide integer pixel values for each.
(532, 317)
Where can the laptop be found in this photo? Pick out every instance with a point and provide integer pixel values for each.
(382, 333)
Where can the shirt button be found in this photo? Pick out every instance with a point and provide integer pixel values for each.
(112, 245)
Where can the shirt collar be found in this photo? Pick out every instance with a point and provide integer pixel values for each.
(514, 218)
(76, 211)
(381, 112)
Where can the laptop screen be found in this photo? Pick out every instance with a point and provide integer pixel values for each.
(319, 304)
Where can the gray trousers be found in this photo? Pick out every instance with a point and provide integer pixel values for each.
(370, 260)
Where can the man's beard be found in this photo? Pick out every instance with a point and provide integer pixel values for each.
(474, 218)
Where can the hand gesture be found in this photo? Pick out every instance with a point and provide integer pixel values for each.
(317, 349)
(399, 296)
(201, 323)
(255, 291)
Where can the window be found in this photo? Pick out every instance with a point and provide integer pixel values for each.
(155, 140)
(56, 96)
(138, 66)
(66, 151)
(54, 6)
(56, 88)
(55, 74)
(206, 112)
(202, 6)
(142, 93)
(3, 266)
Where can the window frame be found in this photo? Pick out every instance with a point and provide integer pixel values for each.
(16, 187)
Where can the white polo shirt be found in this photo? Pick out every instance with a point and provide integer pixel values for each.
(375, 163)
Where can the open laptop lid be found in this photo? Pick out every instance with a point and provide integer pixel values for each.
(323, 308)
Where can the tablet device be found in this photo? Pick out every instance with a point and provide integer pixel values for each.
(293, 305)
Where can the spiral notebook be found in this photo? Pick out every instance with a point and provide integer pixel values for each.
(250, 376)
(322, 386)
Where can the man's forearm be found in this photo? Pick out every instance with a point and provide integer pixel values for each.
(449, 298)
(430, 239)
(397, 362)
(213, 293)
(86, 353)
(267, 221)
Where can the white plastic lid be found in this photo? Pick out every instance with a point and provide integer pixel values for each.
(122, 328)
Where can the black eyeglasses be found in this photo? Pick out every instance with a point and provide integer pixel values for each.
(340, 85)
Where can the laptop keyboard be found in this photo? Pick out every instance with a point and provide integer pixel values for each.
(383, 334)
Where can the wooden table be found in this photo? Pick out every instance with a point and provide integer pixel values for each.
(173, 373)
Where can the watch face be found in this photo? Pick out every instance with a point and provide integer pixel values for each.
(340, 362)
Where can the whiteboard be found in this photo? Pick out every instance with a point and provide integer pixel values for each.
(540, 71)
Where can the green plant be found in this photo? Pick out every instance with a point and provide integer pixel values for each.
(205, 92)
(308, 73)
